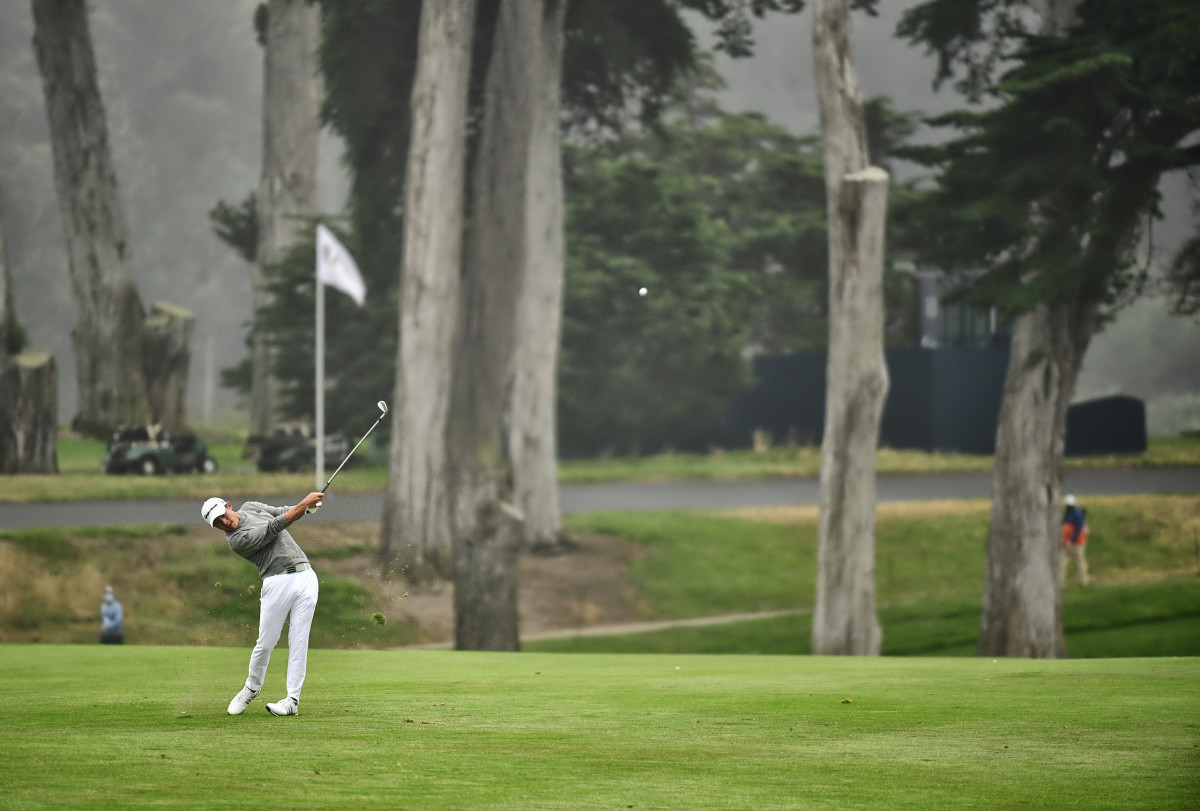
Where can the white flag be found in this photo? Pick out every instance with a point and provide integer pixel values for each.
(336, 267)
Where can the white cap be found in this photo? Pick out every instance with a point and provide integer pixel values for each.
(213, 509)
(1070, 501)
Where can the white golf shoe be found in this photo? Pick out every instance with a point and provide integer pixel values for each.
(241, 701)
(287, 706)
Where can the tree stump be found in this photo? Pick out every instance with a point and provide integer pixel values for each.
(166, 354)
(29, 414)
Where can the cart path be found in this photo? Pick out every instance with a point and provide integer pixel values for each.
(630, 496)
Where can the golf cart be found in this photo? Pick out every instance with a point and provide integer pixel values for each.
(149, 450)
(292, 449)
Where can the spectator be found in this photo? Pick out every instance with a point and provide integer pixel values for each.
(1074, 538)
(112, 619)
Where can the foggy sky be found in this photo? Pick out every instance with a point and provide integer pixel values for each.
(182, 86)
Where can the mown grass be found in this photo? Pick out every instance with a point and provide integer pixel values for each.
(80, 477)
(97, 727)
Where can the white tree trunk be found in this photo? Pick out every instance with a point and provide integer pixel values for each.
(488, 526)
(844, 616)
(167, 351)
(416, 530)
(287, 190)
(533, 423)
(107, 334)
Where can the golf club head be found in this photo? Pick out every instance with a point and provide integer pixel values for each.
(382, 406)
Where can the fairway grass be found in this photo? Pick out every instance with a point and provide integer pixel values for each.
(100, 726)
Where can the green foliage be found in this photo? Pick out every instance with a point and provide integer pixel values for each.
(721, 217)
(237, 226)
(633, 366)
(1051, 186)
(15, 339)
(360, 343)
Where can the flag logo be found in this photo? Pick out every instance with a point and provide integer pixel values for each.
(336, 267)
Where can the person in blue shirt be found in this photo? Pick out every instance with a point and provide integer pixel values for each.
(1074, 539)
(112, 619)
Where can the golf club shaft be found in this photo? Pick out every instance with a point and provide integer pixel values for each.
(383, 408)
(352, 450)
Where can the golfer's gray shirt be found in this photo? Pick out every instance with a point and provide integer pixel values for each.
(262, 538)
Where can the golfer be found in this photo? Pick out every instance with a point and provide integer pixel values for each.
(258, 532)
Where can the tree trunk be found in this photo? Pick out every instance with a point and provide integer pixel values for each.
(28, 395)
(8, 315)
(29, 414)
(287, 191)
(107, 335)
(844, 617)
(167, 348)
(1022, 605)
(1022, 600)
(487, 523)
(416, 533)
(533, 422)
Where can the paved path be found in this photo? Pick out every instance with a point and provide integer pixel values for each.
(623, 496)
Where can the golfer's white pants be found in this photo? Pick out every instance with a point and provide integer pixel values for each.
(283, 595)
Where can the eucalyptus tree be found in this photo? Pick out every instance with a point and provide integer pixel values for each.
(418, 505)
(107, 337)
(844, 615)
(1051, 189)
(289, 31)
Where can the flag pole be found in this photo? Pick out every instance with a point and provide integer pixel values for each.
(320, 384)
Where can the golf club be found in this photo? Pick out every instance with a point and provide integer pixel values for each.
(383, 413)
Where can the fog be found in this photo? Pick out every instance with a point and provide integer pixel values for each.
(182, 88)
(182, 85)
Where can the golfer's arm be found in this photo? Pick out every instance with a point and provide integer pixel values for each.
(294, 514)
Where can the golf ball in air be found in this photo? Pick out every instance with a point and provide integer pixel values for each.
(642, 291)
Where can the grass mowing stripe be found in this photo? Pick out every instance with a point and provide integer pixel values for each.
(101, 727)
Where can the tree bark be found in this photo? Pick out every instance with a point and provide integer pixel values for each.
(107, 335)
(7, 314)
(29, 414)
(416, 531)
(1022, 605)
(287, 190)
(844, 616)
(533, 423)
(28, 395)
(1022, 599)
(167, 349)
(487, 523)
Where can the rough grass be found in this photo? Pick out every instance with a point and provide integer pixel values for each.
(1144, 557)
(183, 585)
(96, 727)
(178, 586)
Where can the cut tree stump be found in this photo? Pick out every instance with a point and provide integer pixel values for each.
(29, 414)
